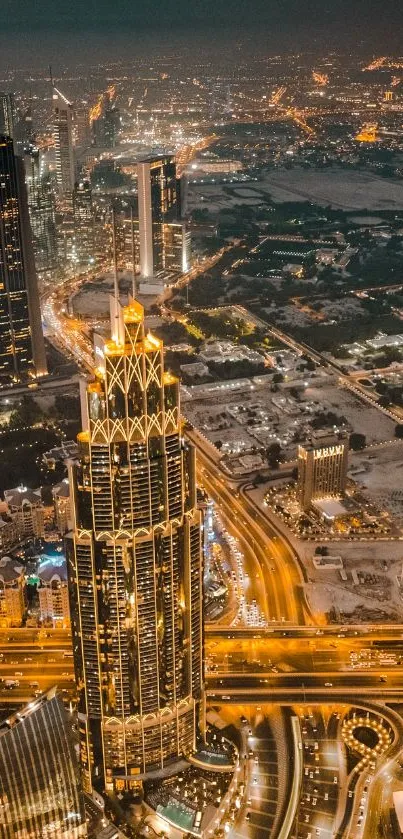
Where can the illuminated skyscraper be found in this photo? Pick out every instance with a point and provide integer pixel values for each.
(159, 204)
(322, 469)
(22, 349)
(42, 211)
(39, 785)
(84, 223)
(63, 137)
(7, 114)
(134, 563)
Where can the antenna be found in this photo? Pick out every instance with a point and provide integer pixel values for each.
(51, 75)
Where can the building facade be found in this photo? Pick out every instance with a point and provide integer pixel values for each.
(42, 211)
(13, 602)
(322, 469)
(134, 562)
(53, 592)
(84, 223)
(40, 792)
(159, 204)
(27, 510)
(63, 137)
(22, 348)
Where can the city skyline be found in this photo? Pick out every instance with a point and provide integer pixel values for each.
(201, 513)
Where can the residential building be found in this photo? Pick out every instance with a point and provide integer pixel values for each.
(27, 510)
(62, 505)
(53, 591)
(12, 592)
(134, 564)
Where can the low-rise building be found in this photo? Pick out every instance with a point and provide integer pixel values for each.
(53, 591)
(61, 500)
(12, 592)
(27, 510)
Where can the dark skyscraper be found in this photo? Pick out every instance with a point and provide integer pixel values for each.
(39, 784)
(84, 224)
(7, 114)
(134, 564)
(22, 349)
(42, 211)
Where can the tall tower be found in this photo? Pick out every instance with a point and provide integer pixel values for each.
(159, 203)
(22, 349)
(7, 114)
(42, 211)
(134, 562)
(63, 137)
(84, 223)
(40, 792)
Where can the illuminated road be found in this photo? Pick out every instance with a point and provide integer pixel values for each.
(278, 586)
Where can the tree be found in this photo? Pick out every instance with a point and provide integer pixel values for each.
(399, 430)
(357, 441)
(278, 378)
(274, 455)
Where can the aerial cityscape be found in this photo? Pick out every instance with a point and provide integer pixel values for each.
(201, 421)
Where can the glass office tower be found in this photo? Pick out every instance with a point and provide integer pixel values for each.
(134, 564)
(40, 793)
(22, 349)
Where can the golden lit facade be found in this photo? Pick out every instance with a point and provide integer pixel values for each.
(134, 564)
(322, 470)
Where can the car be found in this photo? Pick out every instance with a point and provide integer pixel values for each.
(255, 780)
(383, 679)
(326, 796)
(18, 673)
(328, 684)
(350, 793)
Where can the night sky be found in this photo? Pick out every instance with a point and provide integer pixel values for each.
(372, 18)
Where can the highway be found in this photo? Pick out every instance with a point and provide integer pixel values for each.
(275, 576)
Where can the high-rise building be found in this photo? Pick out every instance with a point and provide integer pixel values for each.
(40, 791)
(111, 119)
(7, 114)
(322, 469)
(63, 137)
(42, 211)
(134, 562)
(84, 223)
(22, 349)
(158, 203)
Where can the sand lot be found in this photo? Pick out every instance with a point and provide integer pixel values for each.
(347, 190)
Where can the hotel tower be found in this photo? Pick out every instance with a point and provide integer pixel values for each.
(134, 564)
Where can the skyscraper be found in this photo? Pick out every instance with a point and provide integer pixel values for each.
(84, 223)
(42, 211)
(159, 203)
(63, 137)
(39, 785)
(134, 562)
(22, 349)
(7, 114)
(322, 469)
